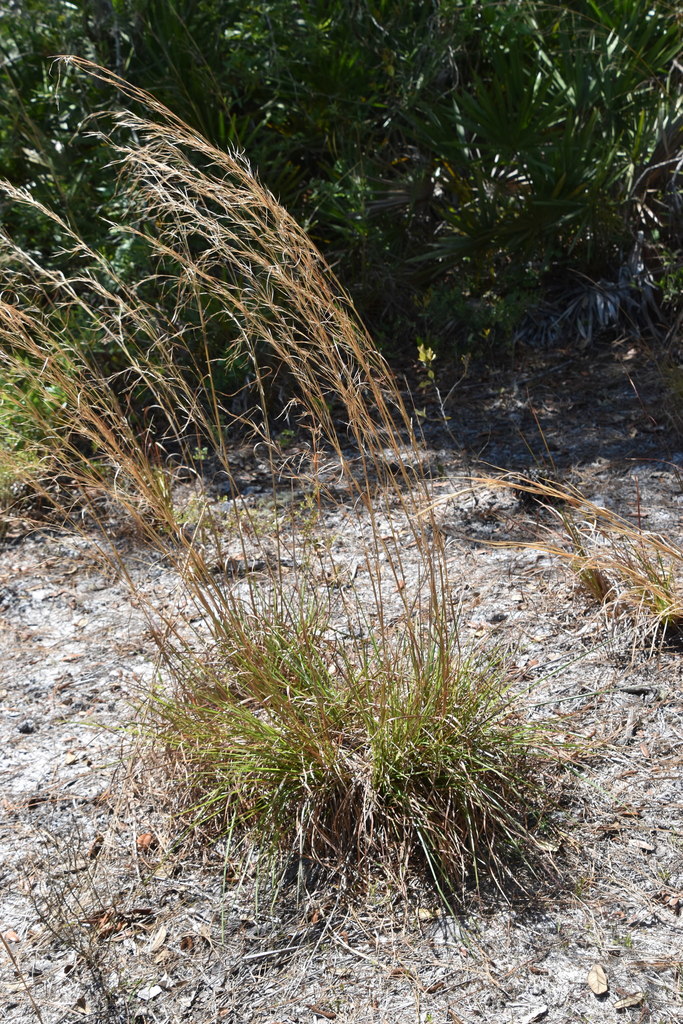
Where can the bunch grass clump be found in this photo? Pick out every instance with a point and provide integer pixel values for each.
(344, 721)
(358, 755)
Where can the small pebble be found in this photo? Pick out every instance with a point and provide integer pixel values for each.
(27, 727)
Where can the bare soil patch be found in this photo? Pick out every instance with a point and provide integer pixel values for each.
(109, 915)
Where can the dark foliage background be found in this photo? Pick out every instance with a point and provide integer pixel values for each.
(460, 162)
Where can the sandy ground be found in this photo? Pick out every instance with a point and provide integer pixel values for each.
(107, 916)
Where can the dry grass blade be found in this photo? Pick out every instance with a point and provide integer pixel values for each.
(26, 984)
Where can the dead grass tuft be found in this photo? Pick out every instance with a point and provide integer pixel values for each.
(630, 571)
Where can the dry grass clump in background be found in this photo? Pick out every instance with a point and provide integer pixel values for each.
(316, 721)
(628, 570)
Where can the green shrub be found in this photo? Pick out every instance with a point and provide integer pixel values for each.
(403, 136)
